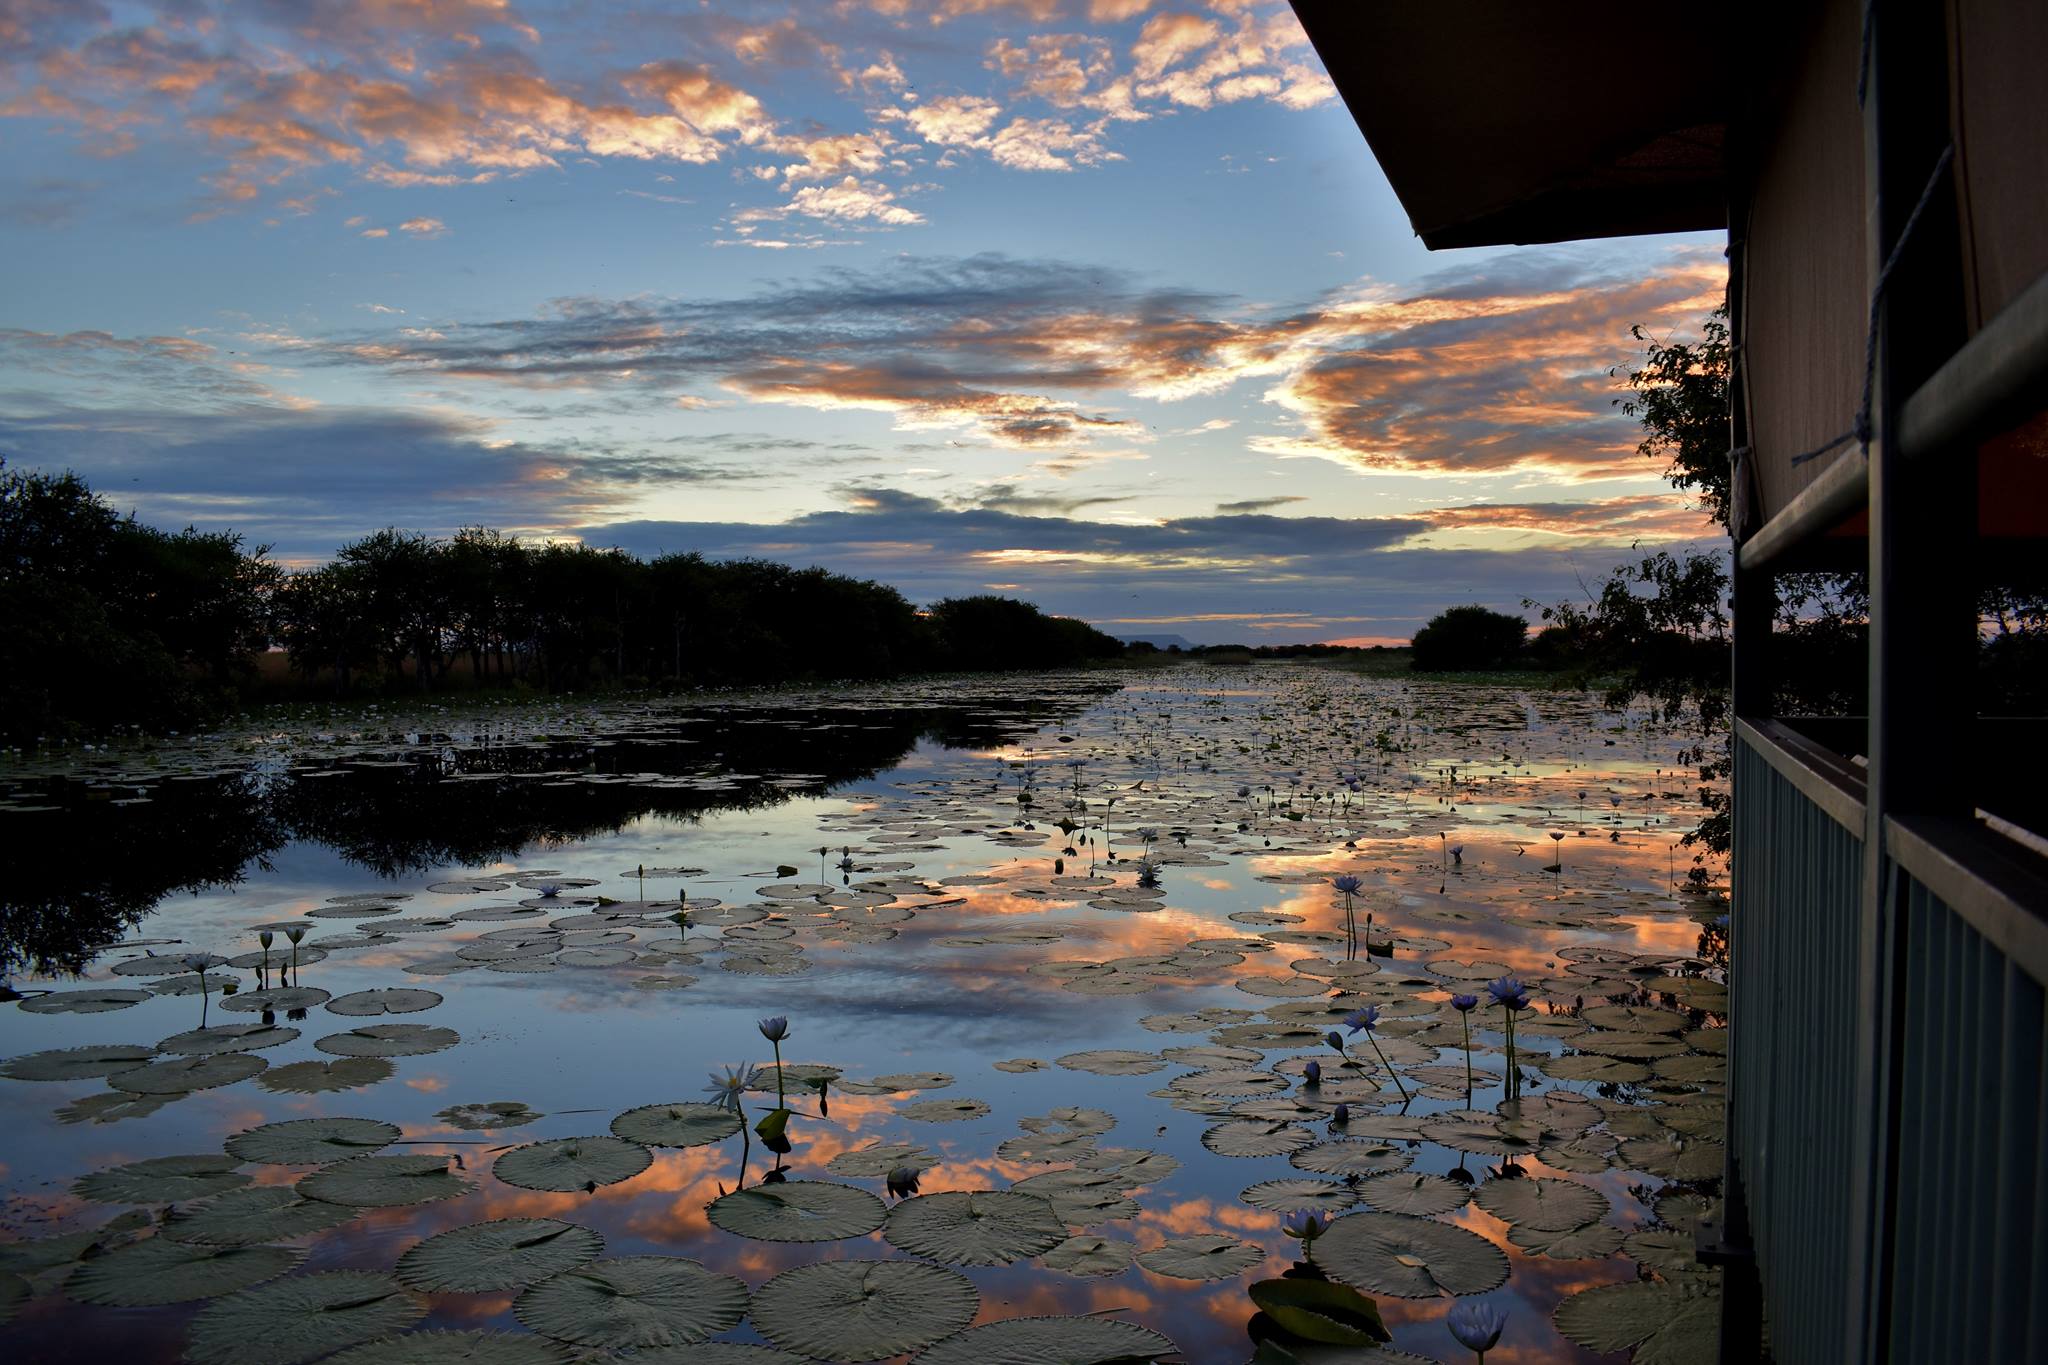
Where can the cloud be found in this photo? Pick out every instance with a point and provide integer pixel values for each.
(1255, 505)
(423, 227)
(1503, 370)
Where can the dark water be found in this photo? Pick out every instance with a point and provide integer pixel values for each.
(957, 934)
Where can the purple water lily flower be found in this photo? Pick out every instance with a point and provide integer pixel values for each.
(1312, 1072)
(1304, 1225)
(1509, 992)
(1463, 1003)
(1477, 1326)
(1364, 1020)
(775, 1028)
(1334, 1039)
(1341, 1114)
(902, 1182)
(1348, 884)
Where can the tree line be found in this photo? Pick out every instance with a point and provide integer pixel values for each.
(115, 624)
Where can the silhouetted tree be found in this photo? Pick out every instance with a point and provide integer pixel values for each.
(1469, 637)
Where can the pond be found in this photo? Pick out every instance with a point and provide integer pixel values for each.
(1085, 1025)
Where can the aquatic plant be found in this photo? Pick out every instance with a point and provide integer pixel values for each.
(775, 1028)
(1463, 1005)
(1365, 1021)
(1508, 993)
(1477, 1326)
(1304, 1226)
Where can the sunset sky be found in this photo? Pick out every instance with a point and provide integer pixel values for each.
(1103, 303)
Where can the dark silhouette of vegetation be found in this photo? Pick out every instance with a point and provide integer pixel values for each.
(1469, 638)
(116, 625)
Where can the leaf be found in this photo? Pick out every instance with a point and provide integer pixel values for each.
(186, 1074)
(877, 1159)
(1050, 1341)
(974, 1227)
(386, 1000)
(1205, 1257)
(388, 1040)
(1252, 1138)
(76, 1063)
(506, 1253)
(863, 1310)
(1662, 1323)
(798, 1211)
(457, 1348)
(682, 1124)
(1410, 1258)
(1090, 1256)
(245, 1217)
(565, 1164)
(1555, 1205)
(301, 1318)
(772, 1125)
(1412, 1192)
(319, 1078)
(162, 1180)
(156, 1271)
(384, 1182)
(1351, 1157)
(1285, 1196)
(634, 1301)
(1319, 1310)
(312, 1142)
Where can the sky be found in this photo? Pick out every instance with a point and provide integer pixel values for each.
(1100, 303)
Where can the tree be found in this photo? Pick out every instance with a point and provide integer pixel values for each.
(1680, 395)
(1469, 637)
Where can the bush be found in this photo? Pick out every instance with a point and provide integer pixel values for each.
(1469, 638)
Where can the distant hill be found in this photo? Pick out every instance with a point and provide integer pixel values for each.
(1159, 641)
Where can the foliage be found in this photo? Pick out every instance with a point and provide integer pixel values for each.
(1680, 395)
(1000, 634)
(1469, 637)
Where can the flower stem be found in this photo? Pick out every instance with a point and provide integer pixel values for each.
(1390, 1069)
(780, 1101)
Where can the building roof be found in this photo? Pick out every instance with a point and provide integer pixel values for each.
(1503, 121)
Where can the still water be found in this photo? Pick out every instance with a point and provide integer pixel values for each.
(1055, 955)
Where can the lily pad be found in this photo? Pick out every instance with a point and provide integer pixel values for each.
(301, 1318)
(112, 1107)
(389, 1040)
(1554, 1205)
(385, 1182)
(1285, 1196)
(634, 1301)
(575, 1163)
(877, 1159)
(322, 1078)
(473, 1347)
(1351, 1157)
(1413, 1193)
(863, 1310)
(162, 1180)
(1662, 1323)
(386, 1000)
(1205, 1257)
(506, 1253)
(975, 1227)
(1112, 1062)
(251, 1215)
(275, 999)
(1595, 1241)
(155, 1271)
(1090, 1256)
(312, 1142)
(945, 1111)
(1251, 1138)
(682, 1124)
(222, 1038)
(1050, 1341)
(186, 1074)
(798, 1211)
(1410, 1258)
(76, 1063)
(83, 1002)
(482, 1118)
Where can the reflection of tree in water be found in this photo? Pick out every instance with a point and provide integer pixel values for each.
(85, 873)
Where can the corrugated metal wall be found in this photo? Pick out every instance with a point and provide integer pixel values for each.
(1970, 1276)
(1798, 880)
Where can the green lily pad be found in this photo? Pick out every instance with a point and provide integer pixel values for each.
(384, 1182)
(1204, 1257)
(162, 1180)
(798, 1211)
(1351, 1157)
(186, 1074)
(83, 1002)
(275, 999)
(1555, 1205)
(312, 1142)
(221, 1038)
(1413, 1193)
(76, 1063)
(112, 1107)
(506, 1253)
(156, 1271)
(945, 1111)
(1662, 1323)
(1410, 1258)
(1321, 1311)
(458, 1348)
(1252, 1138)
(1050, 1341)
(252, 1215)
(975, 1227)
(682, 1124)
(301, 1318)
(385, 1000)
(572, 1163)
(877, 1159)
(863, 1310)
(1112, 1062)
(634, 1301)
(323, 1078)
(389, 1040)
(1593, 1242)
(1674, 1159)
(1285, 1196)
(482, 1118)
(1090, 1256)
